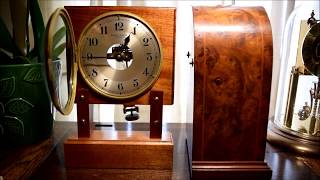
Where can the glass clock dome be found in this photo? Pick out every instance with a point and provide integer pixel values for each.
(296, 123)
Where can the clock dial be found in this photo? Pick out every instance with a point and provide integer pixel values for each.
(311, 50)
(120, 55)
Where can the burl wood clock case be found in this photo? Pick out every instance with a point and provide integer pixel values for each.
(233, 66)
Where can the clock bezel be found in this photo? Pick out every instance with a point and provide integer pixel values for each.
(71, 60)
(88, 80)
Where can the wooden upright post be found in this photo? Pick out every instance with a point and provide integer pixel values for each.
(156, 104)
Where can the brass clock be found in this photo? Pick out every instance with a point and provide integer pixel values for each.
(118, 54)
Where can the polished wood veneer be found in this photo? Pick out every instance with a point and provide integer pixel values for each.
(162, 20)
(119, 150)
(233, 67)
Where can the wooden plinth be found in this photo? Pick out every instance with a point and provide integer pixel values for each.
(119, 150)
(225, 170)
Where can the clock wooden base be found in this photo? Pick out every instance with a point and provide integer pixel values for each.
(119, 150)
(232, 80)
(122, 149)
(203, 170)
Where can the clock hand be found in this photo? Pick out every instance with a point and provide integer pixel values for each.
(127, 40)
(94, 57)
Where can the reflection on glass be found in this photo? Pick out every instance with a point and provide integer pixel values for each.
(300, 109)
(62, 76)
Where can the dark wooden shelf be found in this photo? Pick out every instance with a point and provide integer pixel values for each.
(46, 160)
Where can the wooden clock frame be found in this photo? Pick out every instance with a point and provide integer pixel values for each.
(92, 148)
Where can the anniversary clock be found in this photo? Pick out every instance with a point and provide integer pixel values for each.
(296, 124)
(123, 55)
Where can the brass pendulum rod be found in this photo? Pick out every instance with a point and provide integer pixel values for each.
(293, 84)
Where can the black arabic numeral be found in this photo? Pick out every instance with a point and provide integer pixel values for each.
(105, 82)
(119, 26)
(89, 56)
(135, 83)
(93, 41)
(104, 29)
(149, 56)
(120, 86)
(145, 41)
(134, 31)
(145, 72)
(94, 72)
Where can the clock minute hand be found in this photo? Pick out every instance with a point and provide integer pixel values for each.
(95, 57)
(126, 41)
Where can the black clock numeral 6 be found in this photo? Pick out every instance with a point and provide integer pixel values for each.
(93, 41)
(135, 83)
(119, 26)
(120, 86)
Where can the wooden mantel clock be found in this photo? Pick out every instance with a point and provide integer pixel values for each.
(123, 55)
(232, 80)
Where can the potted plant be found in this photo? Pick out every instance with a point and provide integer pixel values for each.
(25, 106)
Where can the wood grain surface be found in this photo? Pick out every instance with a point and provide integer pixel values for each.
(233, 63)
(162, 20)
(233, 66)
(119, 150)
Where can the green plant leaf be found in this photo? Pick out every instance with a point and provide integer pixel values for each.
(32, 54)
(37, 26)
(19, 12)
(58, 50)
(6, 41)
(41, 49)
(59, 35)
(18, 106)
(27, 28)
(7, 87)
